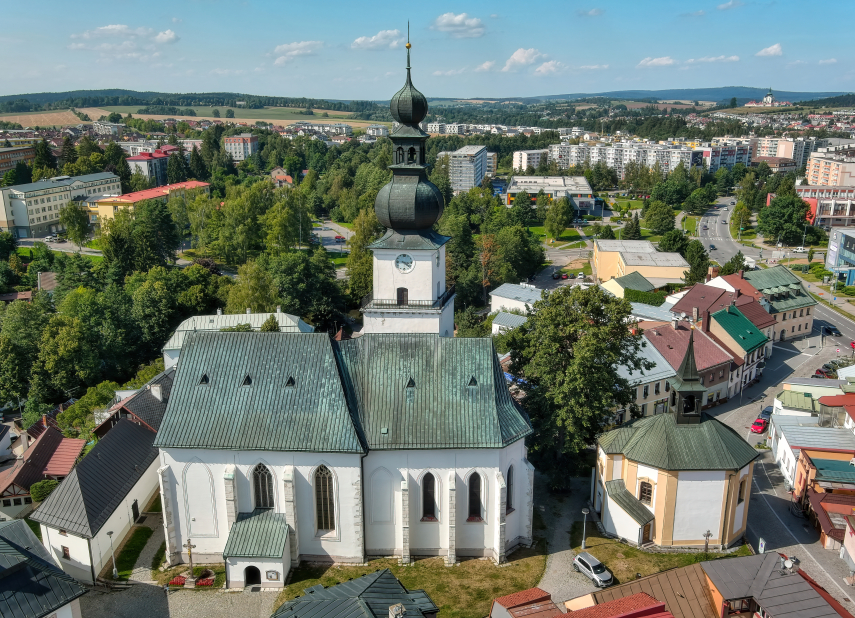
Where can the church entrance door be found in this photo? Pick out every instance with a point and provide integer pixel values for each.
(645, 533)
(251, 576)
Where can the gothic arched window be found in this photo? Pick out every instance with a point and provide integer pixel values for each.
(428, 497)
(262, 482)
(324, 498)
(474, 497)
(645, 492)
(509, 502)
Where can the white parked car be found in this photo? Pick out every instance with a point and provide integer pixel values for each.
(799, 250)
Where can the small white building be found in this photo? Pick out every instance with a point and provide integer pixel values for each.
(378, 130)
(789, 434)
(504, 322)
(510, 296)
(105, 493)
(524, 159)
(795, 403)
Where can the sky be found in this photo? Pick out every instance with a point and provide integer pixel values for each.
(355, 50)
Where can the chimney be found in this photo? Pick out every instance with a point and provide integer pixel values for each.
(741, 274)
(25, 440)
(708, 278)
(44, 421)
(219, 312)
(706, 324)
(674, 323)
(157, 391)
(397, 610)
(248, 311)
(737, 294)
(694, 314)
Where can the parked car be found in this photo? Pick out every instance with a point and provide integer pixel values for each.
(732, 204)
(712, 247)
(759, 426)
(556, 275)
(564, 275)
(723, 222)
(50, 238)
(822, 373)
(580, 276)
(766, 413)
(799, 250)
(832, 330)
(705, 228)
(339, 237)
(593, 568)
(59, 239)
(725, 209)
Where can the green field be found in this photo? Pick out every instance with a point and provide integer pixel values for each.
(691, 224)
(569, 234)
(268, 113)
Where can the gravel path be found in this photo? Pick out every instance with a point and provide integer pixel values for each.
(559, 513)
(142, 568)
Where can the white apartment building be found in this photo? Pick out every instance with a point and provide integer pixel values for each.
(575, 188)
(242, 146)
(467, 167)
(378, 130)
(523, 159)
(798, 149)
(135, 148)
(32, 210)
(436, 127)
(492, 163)
(831, 168)
(338, 128)
(108, 128)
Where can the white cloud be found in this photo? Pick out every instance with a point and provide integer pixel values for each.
(522, 57)
(459, 26)
(828, 61)
(485, 66)
(177, 20)
(114, 30)
(288, 51)
(772, 50)
(713, 59)
(731, 4)
(449, 72)
(594, 67)
(167, 36)
(385, 39)
(589, 13)
(662, 61)
(550, 67)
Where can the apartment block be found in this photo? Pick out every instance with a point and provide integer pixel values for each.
(107, 206)
(832, 168)
(32, 210)
(492, 163)
(524, 159)
(575, 188)
(798, 149)
(378, 130)
(9, 157)
(242, 146)
(467, 167)
(108, 128)
(152, 165)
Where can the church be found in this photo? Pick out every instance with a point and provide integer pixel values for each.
(278, 448)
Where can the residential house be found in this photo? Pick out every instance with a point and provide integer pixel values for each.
(145, 406)
(376, 595)
(669, 478)
(108, 206)
(825, 488)
(652, 386)
(712, 360)
(639, 605)
(51, 456)
(795, 403)
(817, 387)
(512, 296)
(616, 258)
(172, 348)
(32, 585)
(531, 603)
(152, 165)
(105, 492)
(730, 327)
(504, 321)
(281, 177)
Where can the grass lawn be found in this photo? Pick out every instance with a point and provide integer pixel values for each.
(154, 505)
(691, 224)
(338, 262)
(585, 268)
(267, 113)
(569, 235)
(159, 557)
(464, 591)
(625, 561)
(343, 224)
(748, 233)
(575, 245)
(648, 235)
(95, 243)
(131, 551)
(35, 527)
(633, 204)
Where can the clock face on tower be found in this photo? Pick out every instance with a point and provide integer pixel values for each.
(404, 263)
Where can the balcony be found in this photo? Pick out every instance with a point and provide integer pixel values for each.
(369, 303)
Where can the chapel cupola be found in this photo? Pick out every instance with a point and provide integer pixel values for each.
(687, 393)
(410, 202)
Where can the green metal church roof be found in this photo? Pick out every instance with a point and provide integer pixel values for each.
(259, 534)
(658, 441)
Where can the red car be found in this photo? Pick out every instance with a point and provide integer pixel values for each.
(822, 373)
(339, 237)
(759, 426)
(564, 275)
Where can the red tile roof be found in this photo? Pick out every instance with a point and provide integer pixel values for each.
(672, 345)
(709, 298)
(524, 597)
(13, 296)
(39, 458)
(150, 194)
(837, 401)
(546, 609)
(742, 285)
(627, 607)
(824, 594)
(145, 156)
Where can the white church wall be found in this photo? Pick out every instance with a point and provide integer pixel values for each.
(403, 321)
(78, 563)
(421, 281)
(698, 506)
(204, 499)
(517, 522)
(617, 522)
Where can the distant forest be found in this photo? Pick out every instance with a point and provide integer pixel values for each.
(844, 100)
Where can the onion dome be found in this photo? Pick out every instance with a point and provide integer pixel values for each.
(410, 202)
(409, 106)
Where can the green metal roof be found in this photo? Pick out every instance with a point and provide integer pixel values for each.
(658, 441)
(834, 470)
(778, 280)
(312, 415)
(740, 328)
(630, 504)
(798, 401)
(406, 241)
(459, 399)
(635, 281)
(260, 534)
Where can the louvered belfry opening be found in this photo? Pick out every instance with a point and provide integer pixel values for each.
(262, 482)
(324, 498)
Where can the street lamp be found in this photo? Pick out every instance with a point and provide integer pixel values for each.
(115, 571)
(585, 512)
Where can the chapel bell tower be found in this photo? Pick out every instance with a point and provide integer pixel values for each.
(687, 393)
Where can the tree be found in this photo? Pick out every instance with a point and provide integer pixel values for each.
(306, 285)
(175, 169)
(810, 255)
(271, 324)
(215, 113)
(659, 218)
(521, 208)
(68, 154)
(569, 353)
(360, 262)
(632, 230)
(230, 113)
(674, 241)
(784, 218)
(699, 263)
(153, 310)
(41, 490)
(558, 217)
(75, 219)
(697, 203)
(255, 290)
(139, 181)
(68, 357)
(44, 156)
(8, 245)
(732, 103)
(607, 233)
(197, 165)
(86, 147)
(76, 415)
(741, 216)
(733, 265)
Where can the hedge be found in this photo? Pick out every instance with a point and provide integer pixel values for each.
(648, 298)
(41, 490)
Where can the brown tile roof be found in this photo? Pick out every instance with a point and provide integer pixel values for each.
(672, 345)
(13, 296)
(618, 607)
(712, 299)
(755, 313)
(546, 609)
(524, 597)
(683, 590)
(39, 458)
(743, 285)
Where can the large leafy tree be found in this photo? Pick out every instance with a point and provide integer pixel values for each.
(8, 245)
(44, 156)
(733, 265)
(659, 217)
(674, 241)
(559, 216)
(567, 355)
(360, 265)
(255, 290)
(68, 357)
(785, 218)
(74, 217)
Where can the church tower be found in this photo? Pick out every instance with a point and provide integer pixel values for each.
(410, 294)
(687, 393)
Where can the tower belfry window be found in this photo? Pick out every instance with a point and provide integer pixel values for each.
(411, 155)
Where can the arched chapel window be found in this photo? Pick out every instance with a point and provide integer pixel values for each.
(509, 502)
(474, 497)
(428, 497)
(262, 482)
(324, 498)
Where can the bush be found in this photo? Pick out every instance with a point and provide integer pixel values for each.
(41, 490)
(648, 298)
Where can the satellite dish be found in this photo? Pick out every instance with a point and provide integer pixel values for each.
(788, 564)
(683, 314)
